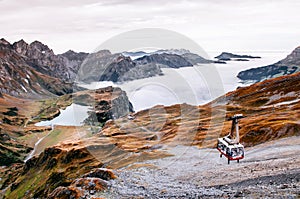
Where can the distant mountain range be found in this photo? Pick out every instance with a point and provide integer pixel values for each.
(286, 66)
(33, 69)
(225, 56)
(120, 67)
(138, 54)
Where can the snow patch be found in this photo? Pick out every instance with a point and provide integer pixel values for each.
(24, 88)
(288, 102)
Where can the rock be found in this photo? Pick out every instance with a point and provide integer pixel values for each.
(109, 103)
(225, 56)
(66, 193)
(241, 60)
(90, 183)
(289, 65)
(164, 60)
(43, 59)
(284, 186)
(104, 66)
(24, 71)
(103, 173)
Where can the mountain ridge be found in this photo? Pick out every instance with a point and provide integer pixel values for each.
(18, 78)
(286, 66)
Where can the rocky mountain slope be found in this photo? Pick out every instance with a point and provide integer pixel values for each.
(286, 66)
(42, 58)
(99, 66)
(82, 162)
(105, 66)
(18, 116)
(271, 108)
(21, 74)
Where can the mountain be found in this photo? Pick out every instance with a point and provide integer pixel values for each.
(186, 54)
(225, 56)
(119, 67)
(164, 60)
(42, 58)
(172, 51)
(196, 59)
(135, 54)
(99, 66)
(286, 66)
(138, 54)
(22, 76)
(271, 109)
(105, 66)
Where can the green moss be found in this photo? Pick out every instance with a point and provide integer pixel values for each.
(8, 157)
(27, 185)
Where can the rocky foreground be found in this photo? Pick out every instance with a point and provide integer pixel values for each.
(269, 170)
(157, 152)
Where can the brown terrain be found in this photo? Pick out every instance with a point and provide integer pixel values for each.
(160, 152)
(271, 109)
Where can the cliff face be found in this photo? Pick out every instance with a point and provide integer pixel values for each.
(289, 65)
(43, 59)
(19, 78)
(108, 103)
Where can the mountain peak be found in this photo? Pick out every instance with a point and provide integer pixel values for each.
(37, 45)
(103, 53)
(4, 42)
(20, 46)
(72, 55)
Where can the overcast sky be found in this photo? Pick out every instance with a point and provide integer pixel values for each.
(216, 25)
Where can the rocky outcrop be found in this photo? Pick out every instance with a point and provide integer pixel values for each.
(19, 78)
(164, 60)
(289, 65)
(43, 59)
(225, 56)
(64, 170)
(108, 103)
(103, 66)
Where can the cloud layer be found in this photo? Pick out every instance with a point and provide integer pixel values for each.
(82, 25)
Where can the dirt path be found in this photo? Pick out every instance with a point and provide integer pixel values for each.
(270, 170)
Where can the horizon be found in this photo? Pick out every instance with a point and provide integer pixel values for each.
(156, 49)
(215, 25)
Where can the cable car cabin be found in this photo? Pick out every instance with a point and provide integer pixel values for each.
(229, 145)
(230, 151)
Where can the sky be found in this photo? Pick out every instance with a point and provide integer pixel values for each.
(215, 25)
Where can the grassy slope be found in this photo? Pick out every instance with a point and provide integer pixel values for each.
(124, 141)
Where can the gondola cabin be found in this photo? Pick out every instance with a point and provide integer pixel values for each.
(230, 151)
(229, 145)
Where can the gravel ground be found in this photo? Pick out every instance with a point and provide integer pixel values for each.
(270, 170)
